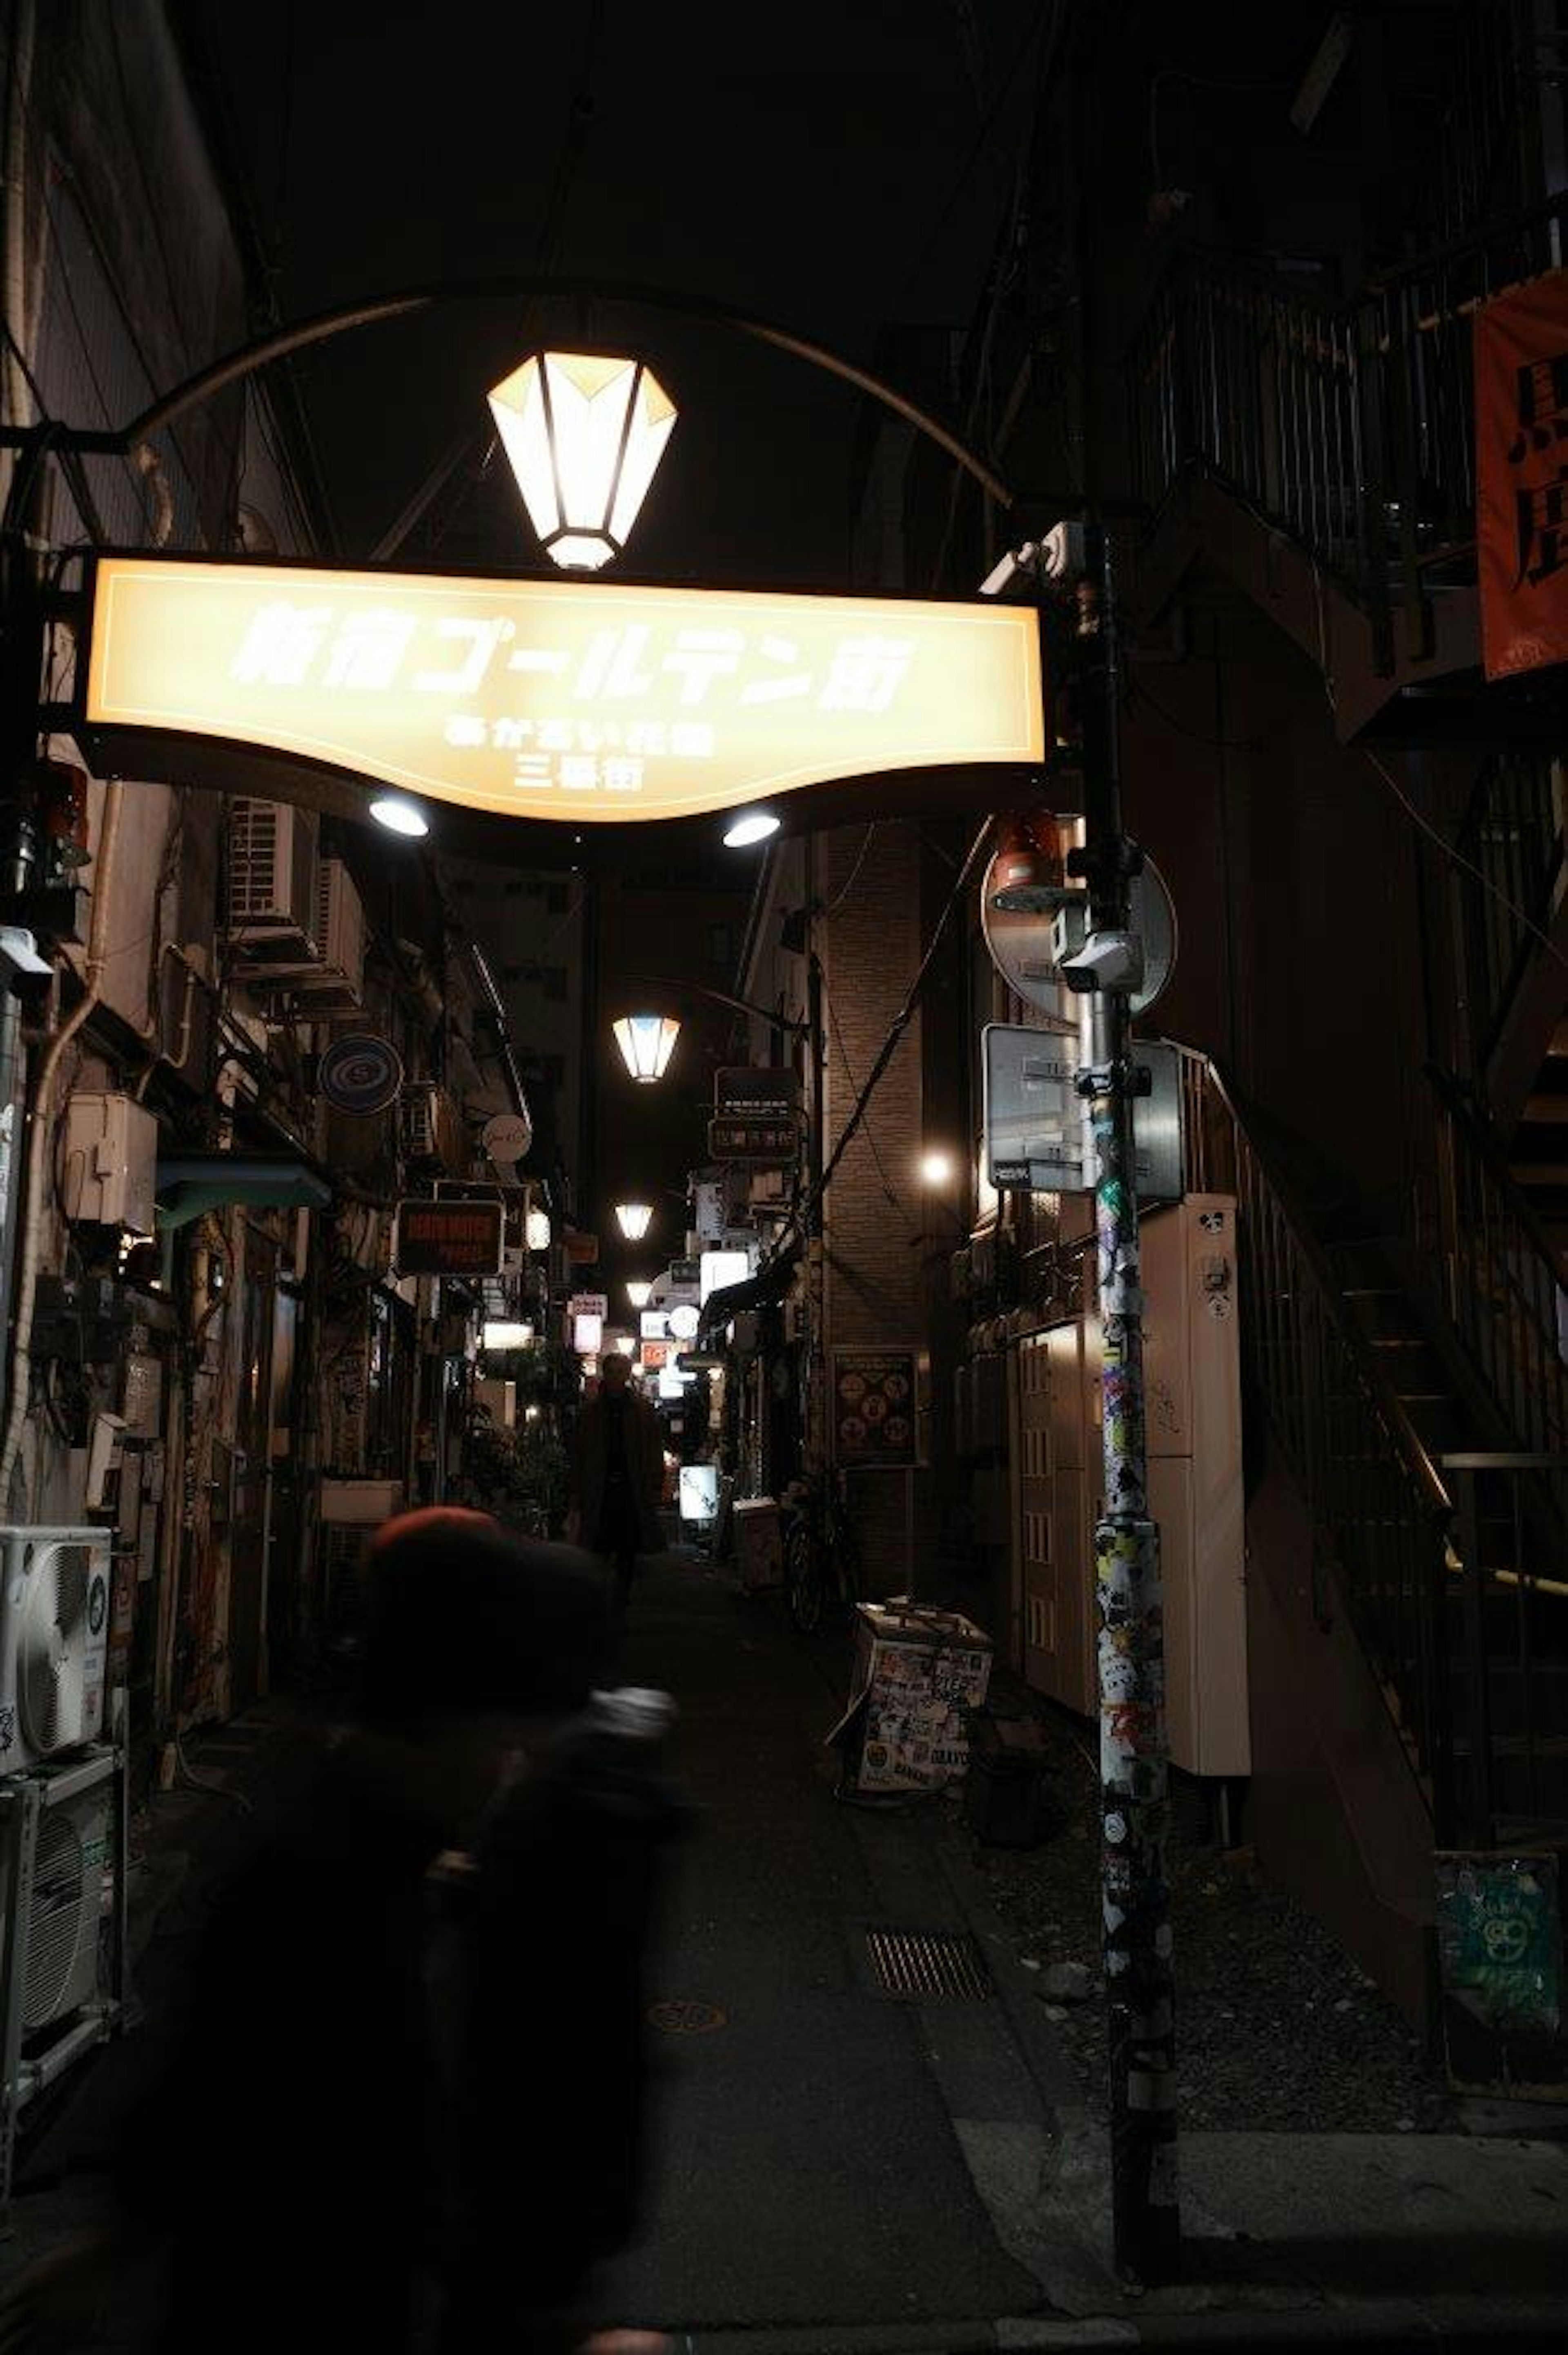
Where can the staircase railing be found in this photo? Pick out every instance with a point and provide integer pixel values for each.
(1500, 1285)
(1379, 1507)
(1513, 838)
(1348, 424)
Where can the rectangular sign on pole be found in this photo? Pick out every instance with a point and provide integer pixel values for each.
(584, 701)
(1036, 1123)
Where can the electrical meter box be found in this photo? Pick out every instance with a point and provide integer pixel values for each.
(110, 1164)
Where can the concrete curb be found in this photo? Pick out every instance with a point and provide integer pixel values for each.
(1476, 2324)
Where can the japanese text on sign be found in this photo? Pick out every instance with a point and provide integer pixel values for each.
(567, 700)
(1521, 471)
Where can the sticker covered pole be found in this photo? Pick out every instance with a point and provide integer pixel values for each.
(1134, 1761)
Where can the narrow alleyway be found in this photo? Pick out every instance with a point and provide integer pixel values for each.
(808, 2166)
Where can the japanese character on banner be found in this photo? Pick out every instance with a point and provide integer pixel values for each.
(1521, 475)
(476, 643)
(368, 649)
(281, 644)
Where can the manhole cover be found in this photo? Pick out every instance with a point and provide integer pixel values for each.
(914, 1964)
(684, 2017)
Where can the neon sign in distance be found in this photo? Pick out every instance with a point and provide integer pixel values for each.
(583, 701)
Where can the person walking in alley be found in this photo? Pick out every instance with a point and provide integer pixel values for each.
(617, 1473)
(364, 2122)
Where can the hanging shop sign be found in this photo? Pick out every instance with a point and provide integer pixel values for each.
(875, 1423)
(588, 1304)
(1520, 344)
(460, 1237)
(581, 1250)
(755, 1117)
(582, 701)
(360, 1074)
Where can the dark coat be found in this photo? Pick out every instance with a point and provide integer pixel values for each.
(284, 2156)
(645, 1462)
(545, 1973)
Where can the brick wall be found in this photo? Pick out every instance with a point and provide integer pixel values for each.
(870, 947)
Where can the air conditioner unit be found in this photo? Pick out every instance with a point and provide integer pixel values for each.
(62, 1923)
(336, 983)
(273, 910)
(434, 1134)
(54, 1633)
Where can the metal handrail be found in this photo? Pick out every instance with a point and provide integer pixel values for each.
(1510, 851)
(1499, 1274)
(1350, 426)
(1377, 1501)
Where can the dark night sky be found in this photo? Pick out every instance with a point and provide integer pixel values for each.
(843, 168)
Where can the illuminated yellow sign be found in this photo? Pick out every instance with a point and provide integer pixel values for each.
(575, 700)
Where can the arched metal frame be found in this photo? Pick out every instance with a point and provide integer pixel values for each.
(345, 318)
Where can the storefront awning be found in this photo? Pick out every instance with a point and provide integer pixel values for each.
(192, 1183)
(762, 1290)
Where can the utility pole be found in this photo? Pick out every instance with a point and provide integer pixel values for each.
(1134, 1761)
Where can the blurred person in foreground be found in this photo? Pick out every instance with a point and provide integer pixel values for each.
(404, 2105)
(618, 1474)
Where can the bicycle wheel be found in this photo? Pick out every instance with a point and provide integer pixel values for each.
(804, 1577)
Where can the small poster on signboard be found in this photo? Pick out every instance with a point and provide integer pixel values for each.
(874, 1401)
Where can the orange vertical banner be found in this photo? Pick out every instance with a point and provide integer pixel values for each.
(1521, 475)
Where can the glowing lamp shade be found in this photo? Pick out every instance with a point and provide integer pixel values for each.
(584, 432)
(634, 1220)
(646, 1042)
(637, 1293)
(536, 1231)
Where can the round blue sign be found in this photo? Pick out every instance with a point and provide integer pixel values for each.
(360, 1072)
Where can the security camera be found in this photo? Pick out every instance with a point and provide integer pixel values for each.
(1062, 550)
(1018, 565)
(1111, 961)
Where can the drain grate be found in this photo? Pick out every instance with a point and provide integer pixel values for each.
(914, 1964)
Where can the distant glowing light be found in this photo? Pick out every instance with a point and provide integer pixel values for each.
(937, 1168)
(638, 1293)
(500, 1334)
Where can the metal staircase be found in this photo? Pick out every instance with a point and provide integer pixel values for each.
(1321, 452)
(1448, 1557)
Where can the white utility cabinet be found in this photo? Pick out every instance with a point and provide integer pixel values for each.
(1193, 1388)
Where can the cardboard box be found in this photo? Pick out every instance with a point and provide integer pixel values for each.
(917, 1672)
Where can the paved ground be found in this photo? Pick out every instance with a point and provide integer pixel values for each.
(839, 2171)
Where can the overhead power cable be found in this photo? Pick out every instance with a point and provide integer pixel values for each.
(885, 1053)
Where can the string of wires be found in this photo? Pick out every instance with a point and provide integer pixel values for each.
(801, 1221)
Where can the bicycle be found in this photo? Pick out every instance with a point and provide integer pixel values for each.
(822, 1554)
